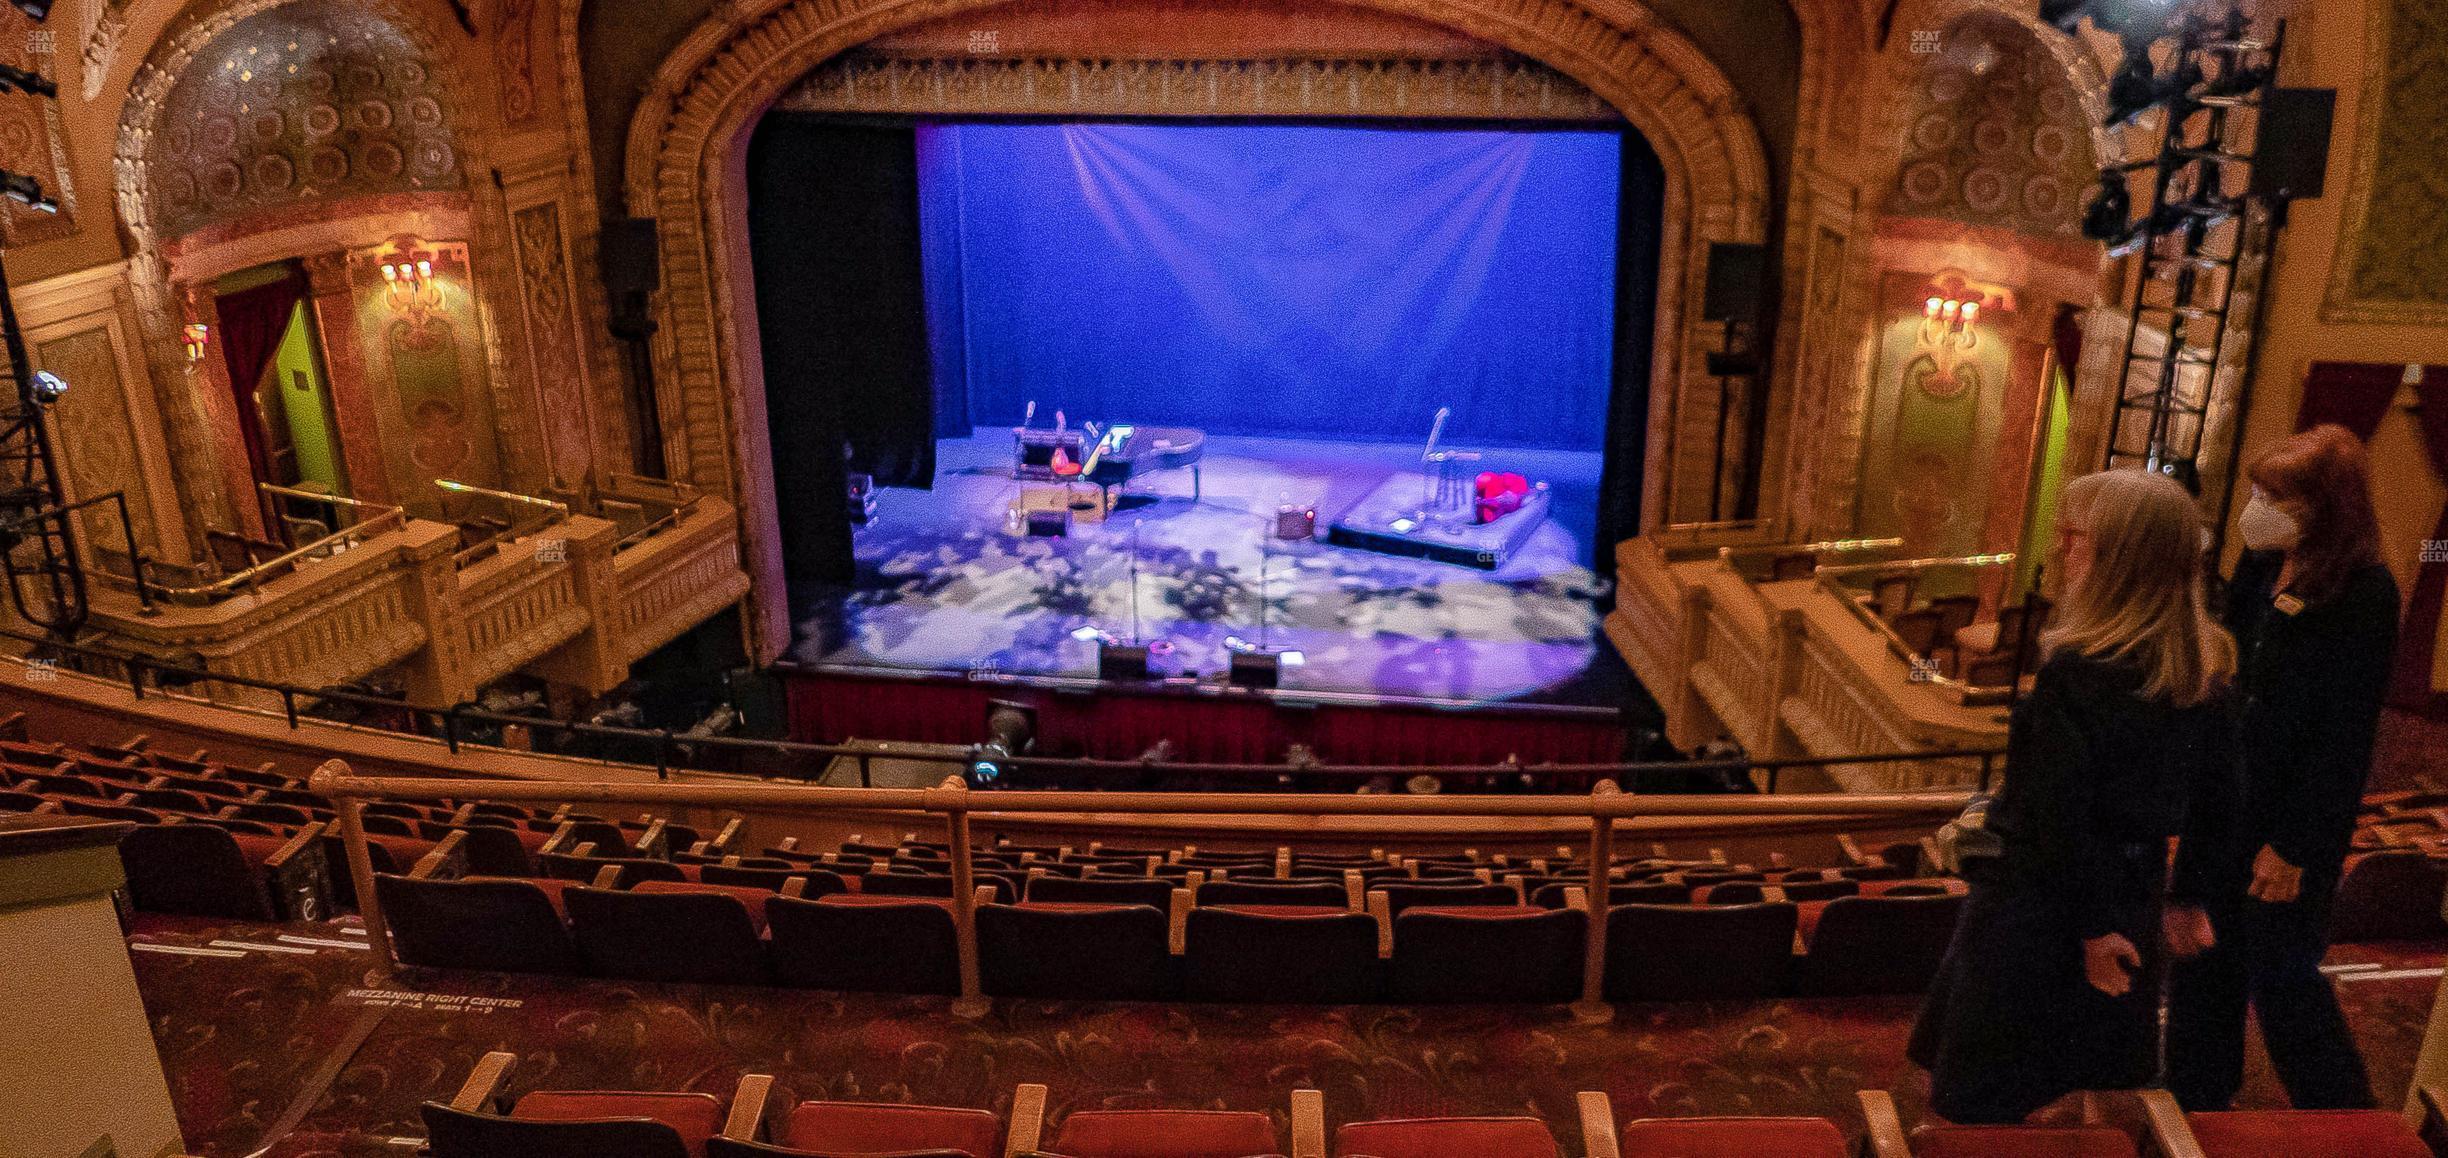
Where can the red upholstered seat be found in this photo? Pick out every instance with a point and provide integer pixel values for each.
(1731, 1138)
(2022, 1142)
(1446, 1138)
(754, 899)
(1164, 1134)
(258, 848)
(872, 899)
(1277, 910)
(695, 1117)
(2307, 1134)
(1483, 912)
(883, 1128)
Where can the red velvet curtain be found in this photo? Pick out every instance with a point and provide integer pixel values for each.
(2354, 395)
(2418, 641)
(252, 322)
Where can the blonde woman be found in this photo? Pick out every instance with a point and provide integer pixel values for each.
(2126, 740)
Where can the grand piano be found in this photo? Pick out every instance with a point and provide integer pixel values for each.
(1121, 453)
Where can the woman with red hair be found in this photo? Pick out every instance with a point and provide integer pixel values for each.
(2314, 612)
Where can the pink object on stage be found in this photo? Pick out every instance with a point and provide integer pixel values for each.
(1500, 494)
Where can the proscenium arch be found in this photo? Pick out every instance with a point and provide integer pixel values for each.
(686, 168)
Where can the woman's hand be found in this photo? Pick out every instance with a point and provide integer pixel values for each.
(2109, 962)
(2187, 930)
(2274, 880)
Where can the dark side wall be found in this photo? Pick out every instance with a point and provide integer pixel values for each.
(1756, 43)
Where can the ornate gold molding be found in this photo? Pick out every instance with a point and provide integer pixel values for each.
(2393, 116)
(1511, 90)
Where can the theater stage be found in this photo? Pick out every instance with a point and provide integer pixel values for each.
(944, 586)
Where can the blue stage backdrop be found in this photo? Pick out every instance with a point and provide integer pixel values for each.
(1304, 280)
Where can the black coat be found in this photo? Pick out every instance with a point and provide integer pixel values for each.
(2098, 780)
(2313, 682)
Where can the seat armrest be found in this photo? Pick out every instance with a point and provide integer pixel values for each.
(607, 877)
(298, 877)
(1381, 908)
(1177, 932)
(1885, 1136)
(747, 1120)
(447, 861)
(1597, 1125)
(1308, 1124)
(481, 1093)
(2171, 1135)
(1027, 1120)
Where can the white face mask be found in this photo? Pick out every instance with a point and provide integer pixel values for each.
(2266, 526)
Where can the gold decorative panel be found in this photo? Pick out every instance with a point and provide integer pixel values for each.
(2389, 266)
(553, 342)
(1514, 89)
(95, 438)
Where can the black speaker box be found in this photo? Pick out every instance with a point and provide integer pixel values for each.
(1043, 524)
(2291, 161)
(1737, 275)
(1255, 669)
(1122, 662)
(630, 261)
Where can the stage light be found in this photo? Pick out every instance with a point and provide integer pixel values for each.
(26, 191)
(2109, 216)
(1292, 658)
(47, 387)
(1089, 634)
(2134, 90)
(15, 79)
(35, 10)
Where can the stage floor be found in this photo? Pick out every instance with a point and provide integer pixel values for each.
(943, 586)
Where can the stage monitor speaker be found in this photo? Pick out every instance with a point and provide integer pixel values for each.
(629, 257)
(1122, 662)
(1044, 524)
(1737, 276)
(1255, 669)
(2292, 160)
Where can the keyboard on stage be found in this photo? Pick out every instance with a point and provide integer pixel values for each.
(1131, 451)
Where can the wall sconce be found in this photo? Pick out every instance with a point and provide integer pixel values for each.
(409, 287)
(1948, 321)
(1949, 334)
(195, 336)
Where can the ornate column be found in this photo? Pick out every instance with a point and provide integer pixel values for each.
(208, 382)
(344, 366)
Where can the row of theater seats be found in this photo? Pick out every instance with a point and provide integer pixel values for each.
(2398, 869)
(1152, 925)
(481, 1122)
(215, 839)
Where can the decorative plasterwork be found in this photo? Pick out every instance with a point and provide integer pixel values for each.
(306, 102)
(1997, 135)
(688, 141)
(2388, 268)
(1509, 90)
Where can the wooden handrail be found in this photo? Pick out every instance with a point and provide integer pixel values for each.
(959, 806)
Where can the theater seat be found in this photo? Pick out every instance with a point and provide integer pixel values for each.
(1258, 954)
(1463, 955)
(2388, 896)
(852, 1129)
(502, 925)
(2022, 1142)
(1446, 1138)
(1866, 945)
(1164, 1134)
(1688, 953)
(1084, 951)
(706, 937)
(1731, 1138)
(566, 1123)
(2306, 1134)
(864, 944)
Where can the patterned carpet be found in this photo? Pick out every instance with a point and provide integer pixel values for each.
(252, 1041)
(946, 585)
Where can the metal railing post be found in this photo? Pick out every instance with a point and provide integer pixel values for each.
(972, 1002)
(450, 728)
(662, 753)
(351, 812)
(1593, 1008)
(289, 706)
